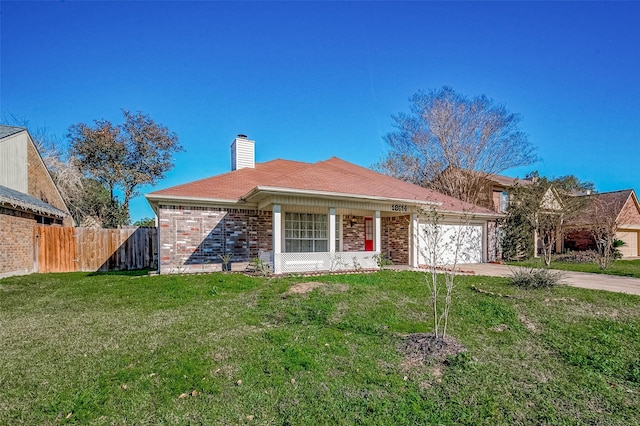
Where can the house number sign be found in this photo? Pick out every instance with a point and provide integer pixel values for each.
(399, 208)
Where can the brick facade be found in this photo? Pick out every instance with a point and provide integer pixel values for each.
(579, 240)
(395, 238)
(394, 234)
(353, 233)
(16, 235)
(192, 238)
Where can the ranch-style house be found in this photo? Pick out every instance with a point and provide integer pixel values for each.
(302, 217)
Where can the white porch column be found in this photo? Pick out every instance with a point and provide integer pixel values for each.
(277, 237)
(378, 238)
(332, 230)
(485, 242)
(414, 240)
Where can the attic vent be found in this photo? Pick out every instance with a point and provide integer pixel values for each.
(242, 153)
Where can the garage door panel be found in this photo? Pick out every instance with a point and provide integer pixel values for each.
(463, 242)
(630, 247)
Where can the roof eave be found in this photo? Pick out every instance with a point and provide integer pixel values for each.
(155, 199)
(32, 208)
(253, 197)
(471, 213)
(273, 190)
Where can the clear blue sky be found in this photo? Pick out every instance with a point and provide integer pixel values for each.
(308, 81)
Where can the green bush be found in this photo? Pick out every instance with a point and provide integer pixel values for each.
(532, 278)
(382, 260)
(516, 239)
(615, 252)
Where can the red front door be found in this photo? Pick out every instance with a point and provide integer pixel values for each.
(368, 234)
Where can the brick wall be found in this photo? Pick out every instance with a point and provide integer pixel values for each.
(579, 240)
(16, 239)
(353, 236)
(261, 230)
(394, 234)
(41, 185)
(39, 181)
(395, 238)
(192, 238)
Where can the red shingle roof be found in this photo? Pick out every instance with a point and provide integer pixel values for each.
(333, 175)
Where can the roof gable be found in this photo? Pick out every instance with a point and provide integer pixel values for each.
(22, 169)
(630, 212)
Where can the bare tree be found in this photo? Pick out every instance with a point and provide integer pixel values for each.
(443, 247)
(450, 143)
(603, 225)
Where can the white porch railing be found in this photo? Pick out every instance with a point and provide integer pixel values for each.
(285, 263)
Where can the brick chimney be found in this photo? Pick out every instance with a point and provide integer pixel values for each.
(242, 153)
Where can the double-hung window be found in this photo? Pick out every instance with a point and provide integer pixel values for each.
(306, 232)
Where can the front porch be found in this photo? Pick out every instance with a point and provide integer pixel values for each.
(308, 239)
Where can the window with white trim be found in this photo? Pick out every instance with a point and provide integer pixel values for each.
(306, 232)
(504, 201)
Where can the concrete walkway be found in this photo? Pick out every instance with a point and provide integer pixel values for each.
(576, 279)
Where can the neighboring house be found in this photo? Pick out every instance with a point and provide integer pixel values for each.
(497, 191)
(28, 197)
(497, 194)
(301, 217)
(489, 190)
(619, 207)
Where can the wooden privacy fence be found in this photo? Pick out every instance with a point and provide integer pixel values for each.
(67, 249)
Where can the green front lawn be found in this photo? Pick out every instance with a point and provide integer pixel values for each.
(229, 349)
(627, 268)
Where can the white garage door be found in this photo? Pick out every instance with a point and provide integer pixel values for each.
(630, 247)
(463, 241)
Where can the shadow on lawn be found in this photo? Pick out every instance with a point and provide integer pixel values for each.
(134, 273)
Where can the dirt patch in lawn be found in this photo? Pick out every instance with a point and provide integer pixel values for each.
(304, 288)
(308, 287)
(422, 348)
(527, 323)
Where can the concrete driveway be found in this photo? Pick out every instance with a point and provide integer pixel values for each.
(576, 279)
